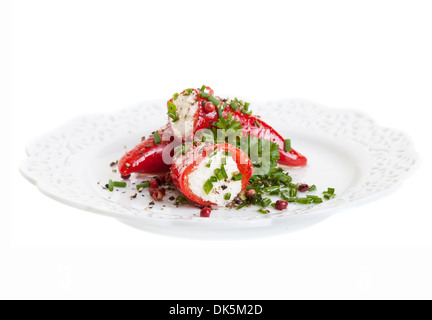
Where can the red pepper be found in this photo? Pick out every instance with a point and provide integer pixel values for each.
(147, 156)
(183, 166)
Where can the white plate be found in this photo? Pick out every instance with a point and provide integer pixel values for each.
(346, 150)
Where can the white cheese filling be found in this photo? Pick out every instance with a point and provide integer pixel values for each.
(187, 107)
(198, 178)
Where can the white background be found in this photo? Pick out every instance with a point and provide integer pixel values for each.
(73, 57)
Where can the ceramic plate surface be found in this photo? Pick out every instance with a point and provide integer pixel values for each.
(346, 150)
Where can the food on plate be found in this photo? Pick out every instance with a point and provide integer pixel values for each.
(217, 154)
(211, 174)
(195, 110)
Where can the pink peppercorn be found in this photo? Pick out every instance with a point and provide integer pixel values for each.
(154, 184)
(205, 212)
(303, 187)
(158, 196)
(281, 205)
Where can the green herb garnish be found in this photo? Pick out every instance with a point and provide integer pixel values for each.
(329, 193)
(218, 174)
(212, 154)
(208, 186)
(237, 177)
(119, 184)
(223, 171)
(287, 146)
(172, 111)
(215, 101)
(227, 196)
(234, 105)
(143, 185)
(185, 149)
(157, 138)
(181, 200)
(188, 92)
(220, 113)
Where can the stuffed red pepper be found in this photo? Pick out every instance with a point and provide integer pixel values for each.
(211, 174)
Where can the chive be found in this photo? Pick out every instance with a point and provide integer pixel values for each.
(304, 200)
(237, 177)
(181, 200)
(143, 185)
(119, 184)
(111, 185)
(312, 196)
(329, 193)
(157, 138)
(204, 95)
(227, 196)
(218, 174)
(317, 200)
(224, 173)
(274, 193)
(312, 187)
(266, 202)
(257, 124)
(223, 161)
(172, 111)
(234, 105)
(271, 189)
(185, 149)
(263, 211)
(172, 107)
(208, 186)
(209, 164)
(188, 92)
(175, 96)
(242, 206)
(203, 87)
(178, 149)
(220, 112)
(212, 154)
(246, 111)
(293, 193)
(330, 190)
(247, 104)
(287, 198)
(173, 116)
(213, 179)
(228, 154)
(215, 101)
(287, 145)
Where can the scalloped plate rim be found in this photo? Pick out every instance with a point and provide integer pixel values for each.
(155, 221)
